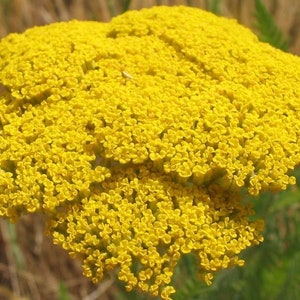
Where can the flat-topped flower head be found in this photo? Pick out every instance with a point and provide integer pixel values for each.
(137, 138)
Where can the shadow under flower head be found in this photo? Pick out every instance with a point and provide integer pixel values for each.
(138, 136)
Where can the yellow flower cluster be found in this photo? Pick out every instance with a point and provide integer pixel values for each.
(143, 222)
(138, 137)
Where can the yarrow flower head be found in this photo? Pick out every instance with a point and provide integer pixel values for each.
(138, 137)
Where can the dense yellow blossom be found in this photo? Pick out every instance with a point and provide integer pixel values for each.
(144, 222)
(138, 137)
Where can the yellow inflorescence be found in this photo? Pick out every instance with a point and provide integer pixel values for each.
(137, 138)
(144, 222)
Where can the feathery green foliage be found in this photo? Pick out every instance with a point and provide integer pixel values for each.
(213, 6)
(126, 5)
(268, 31)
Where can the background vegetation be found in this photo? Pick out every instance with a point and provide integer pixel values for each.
(31, 267)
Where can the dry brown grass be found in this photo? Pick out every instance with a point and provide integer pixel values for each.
(31, 267)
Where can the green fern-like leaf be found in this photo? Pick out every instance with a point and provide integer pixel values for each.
(213, 6)
(267, 27)
(126, 5)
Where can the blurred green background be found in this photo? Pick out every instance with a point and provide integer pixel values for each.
(31, 267)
